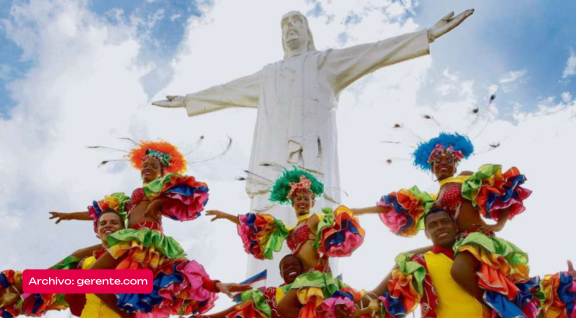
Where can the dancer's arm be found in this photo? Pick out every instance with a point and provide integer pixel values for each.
(80, 254)
(222, 215)
(289, 306)
(80, 216)
(503, 218)
(371, 210)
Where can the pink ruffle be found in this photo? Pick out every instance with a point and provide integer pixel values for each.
(186, 208)
(393, 220)
(329, 305)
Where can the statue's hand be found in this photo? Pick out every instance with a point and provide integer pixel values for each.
(171, 102)
(448, 23)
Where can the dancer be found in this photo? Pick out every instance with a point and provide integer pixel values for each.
(489, 193)
(255, 303)
(143, 245)
(314, 238)
(425, 279)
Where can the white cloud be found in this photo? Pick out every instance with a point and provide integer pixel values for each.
(570, 69)
(84, 89)
(566, 97)
(509, 82)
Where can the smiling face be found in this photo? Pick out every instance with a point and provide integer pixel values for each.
(294, 30)
(290, 268)
(151, 169)
(444, 165)
(107, 224)
(441, 229)
(303, 201)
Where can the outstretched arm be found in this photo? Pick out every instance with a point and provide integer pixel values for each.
(80, 216)
(243, 92)
(345, 66)
(217, 215)
(371, 210)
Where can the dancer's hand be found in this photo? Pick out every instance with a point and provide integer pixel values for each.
(571, 270)
(489, 229)
(230, 288)
(219, 215)
(60, 216)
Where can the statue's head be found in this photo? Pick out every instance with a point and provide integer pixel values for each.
(296, 33)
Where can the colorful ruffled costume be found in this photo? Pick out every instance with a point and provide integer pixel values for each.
(338, 234)
(413, 284)
(490, 191)
(181, 286)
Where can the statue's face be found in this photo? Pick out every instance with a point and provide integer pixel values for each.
(294, 30)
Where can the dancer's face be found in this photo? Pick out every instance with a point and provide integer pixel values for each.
(441, 229)
(108, 224)
(290, 268)
(151, 169)
(444, 166)
(303, 201)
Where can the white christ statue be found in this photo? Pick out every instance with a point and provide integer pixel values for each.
(297, 99)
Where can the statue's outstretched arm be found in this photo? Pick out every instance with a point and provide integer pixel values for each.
(344, 66)
(242, 92)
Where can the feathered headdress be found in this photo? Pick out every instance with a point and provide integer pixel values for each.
(459, 146)
(455, 144)
(292, 180)
(168, 155)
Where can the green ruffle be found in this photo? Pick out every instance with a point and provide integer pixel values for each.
(426, 200)
(408, 267)
(324, 281)
(472, 185)
(512, 253)
(164, 244)
(257, 297)
(70, 262)
(157, 185)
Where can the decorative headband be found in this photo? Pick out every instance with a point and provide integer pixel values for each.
(304, 184)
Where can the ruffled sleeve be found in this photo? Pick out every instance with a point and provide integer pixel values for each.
(346, 297)
(189, 196)
(118, 201)
(407, 209)
(339, 232)
(559, 296)
(490, 190)
(406, 288)
(261, 234)
(314, 288)
(252, 305)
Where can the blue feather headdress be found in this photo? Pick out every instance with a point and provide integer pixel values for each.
(458, 145)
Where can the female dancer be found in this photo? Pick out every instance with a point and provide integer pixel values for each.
(314, 239)
(143, 244)
(488, 193)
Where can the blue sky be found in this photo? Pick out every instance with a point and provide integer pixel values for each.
(159, 41)
(85, 72)
(535, 36)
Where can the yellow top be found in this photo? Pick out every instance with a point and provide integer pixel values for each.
(95, 308)
(453, 300)
(457, 179)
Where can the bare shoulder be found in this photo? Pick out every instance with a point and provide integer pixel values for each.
(466, 173)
